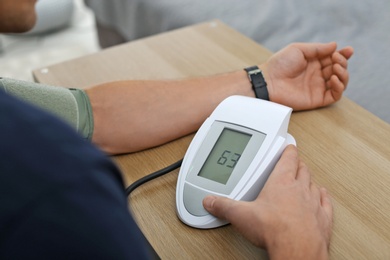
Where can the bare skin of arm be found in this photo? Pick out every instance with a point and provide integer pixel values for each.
(134, 115)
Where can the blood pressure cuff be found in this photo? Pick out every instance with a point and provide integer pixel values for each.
(71, 105)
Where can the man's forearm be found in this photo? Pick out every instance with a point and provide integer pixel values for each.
(134, 115)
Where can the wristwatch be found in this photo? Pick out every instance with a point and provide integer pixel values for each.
(258, 82)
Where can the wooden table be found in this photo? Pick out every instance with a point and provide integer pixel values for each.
(346, 147)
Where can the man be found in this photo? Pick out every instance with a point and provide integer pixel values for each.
(62, 198)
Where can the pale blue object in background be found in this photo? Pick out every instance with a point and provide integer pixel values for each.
(53, 15)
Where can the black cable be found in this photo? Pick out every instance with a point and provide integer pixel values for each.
(145, 179)
(152, 176)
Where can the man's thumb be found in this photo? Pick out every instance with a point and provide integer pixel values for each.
(217, 206)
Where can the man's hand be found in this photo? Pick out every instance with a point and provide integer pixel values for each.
(307, 75)
(291, 218)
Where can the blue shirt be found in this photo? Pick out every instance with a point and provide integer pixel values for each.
(59, 196)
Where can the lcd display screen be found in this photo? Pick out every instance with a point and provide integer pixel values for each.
(225, 155)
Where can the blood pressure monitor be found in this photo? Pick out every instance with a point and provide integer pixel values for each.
(231, 155)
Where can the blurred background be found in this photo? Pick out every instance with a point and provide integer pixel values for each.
(65, 29)
(71, 28)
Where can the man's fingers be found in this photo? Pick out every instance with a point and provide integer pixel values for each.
(338, 58)
(287, 166)
(347, 52)
(316, 50)
(341, 73)
(303, 174)
(334, 91)
(219, 206)
(326, 203)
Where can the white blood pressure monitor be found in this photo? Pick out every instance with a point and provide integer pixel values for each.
(231, 155)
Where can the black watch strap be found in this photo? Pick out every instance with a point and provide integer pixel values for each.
(258, 82)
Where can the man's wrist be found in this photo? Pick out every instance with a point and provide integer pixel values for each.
(266, 75)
